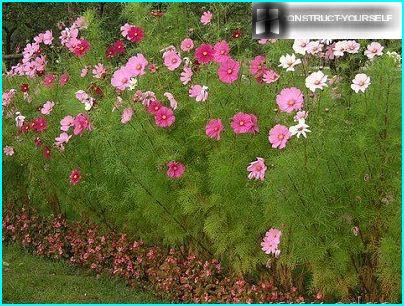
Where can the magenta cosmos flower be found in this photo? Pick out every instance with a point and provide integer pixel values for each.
(214, 128)
(164, 117)
(222, 51)
(49, 79)
(257, 65)
(257, 169)
(271, 241)
(175, 169)
(75, 176)
(39, 124)
(171, 60)
(242, 123)
(205, 53)
(279, 136)
(81, 123)
(228, 71)
(187, 45)
(290, 99)
(81, 48)
(64, 78)
(153, 107)
(135, 34)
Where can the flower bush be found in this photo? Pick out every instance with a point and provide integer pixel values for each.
(192, 137)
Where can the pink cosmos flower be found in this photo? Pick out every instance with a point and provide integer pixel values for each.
(81, 123)
(222, 51)
(62, 139)
(200, 93)
(172, 60)
(47, 38)
(374, 49)
(279, 136)
(164, 117)
(270, 76)
(187, 45)
(271, 242)
(19, 119)
(205, 53)
(173, 102)
(66, 123)
(75, 176)
(7, 96)
(39, 124)
(153, 107)
(47, 107)
(125, 28)
(175, 169)
(214, 128)
(121, 78)
(49, 79)
(126, 115)
(257, 65)
(228, 71)
(186, 75)
(300, 115)
(290, 99)
(242, 123)
(136, 65)
(148, 97)
(9, 151)
(81, 48)
(64, 78)
(84, 72)
(99, 71)
(257, 169)
(206, 17)
(263, 41)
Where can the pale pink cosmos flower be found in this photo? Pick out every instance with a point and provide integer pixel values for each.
(374, 49)
(222, 50)
(351, 46)
(213, 128)
(300, 115)
(228, 71)
(136, 65)
(187, 45)
(314, 47)
(360, 82)
(99, 71)
(148, 97)
(186, 75)
(263, 41)
(172, 60)
(8, 96)
(257, 169)
(66, 123)
(173, 102)
(206, 17)
(84, 72)
(270, 76)
(126, 115)
(19, 119)
(47, 107)
(62, 139)
(8, 150)
(290, 99)
(121, 78)
(164, 117)
(300, 46)
(118, 103)
(339, 48)
(80, 23)
(125, 29)
(45, 38)
(289, 62)
(316, 80)
(278, 136)
(175, 169)
(271, 241)
(200, 93)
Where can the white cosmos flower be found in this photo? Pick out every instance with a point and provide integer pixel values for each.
(360, 82)
(132, 83)
(19, 119)
(289, 62)
(316, 80)
(299, 129)
(300, 46)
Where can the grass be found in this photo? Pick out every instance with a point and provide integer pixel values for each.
(32, 279)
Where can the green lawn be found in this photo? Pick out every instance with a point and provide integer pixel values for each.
(32, 279)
